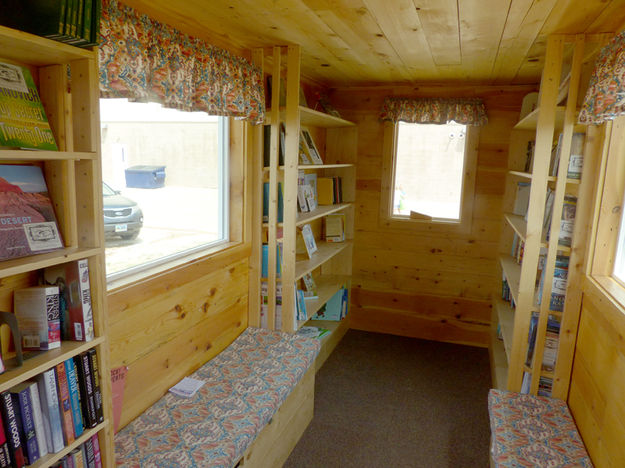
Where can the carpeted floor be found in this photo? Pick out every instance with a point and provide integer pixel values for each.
(388, 401)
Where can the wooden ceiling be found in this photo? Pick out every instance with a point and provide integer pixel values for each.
(366, 42)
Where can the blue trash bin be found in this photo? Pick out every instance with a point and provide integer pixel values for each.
(145, 177)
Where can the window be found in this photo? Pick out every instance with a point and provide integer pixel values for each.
(429, 173)
(165, 191)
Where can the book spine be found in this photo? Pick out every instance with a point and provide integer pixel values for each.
(86, 389)
(64, 403)
(40, 431)
(50, 410)
(97, 392)
(85, 296)
(22, 398)
(8, 415)
(5, 458)
(89, 455)
(87, 19)
(53, 318)
(74, 396)
(96, 451)
(77, 458)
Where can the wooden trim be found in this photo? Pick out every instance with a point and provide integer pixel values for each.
(418, 222)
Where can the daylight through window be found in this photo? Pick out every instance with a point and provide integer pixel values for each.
(165, 183)
(428, 170)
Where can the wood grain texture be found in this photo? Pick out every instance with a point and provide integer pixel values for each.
(417, 282)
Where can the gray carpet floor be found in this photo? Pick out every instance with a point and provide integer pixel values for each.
(389, 401)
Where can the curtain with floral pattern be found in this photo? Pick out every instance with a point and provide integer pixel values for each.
(605, 98)
(144, 60)
(467, 111)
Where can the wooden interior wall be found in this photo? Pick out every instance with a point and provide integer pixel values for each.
(598, 378)
(418, 283)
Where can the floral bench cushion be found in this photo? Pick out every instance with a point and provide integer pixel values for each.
(533, 431)
(245, 385)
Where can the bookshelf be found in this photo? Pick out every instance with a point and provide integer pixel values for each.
(73, 177)
(330, 265)
(530, 276)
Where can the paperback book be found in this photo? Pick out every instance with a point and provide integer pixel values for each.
(27, 220)
(37, 312)
(309, 240)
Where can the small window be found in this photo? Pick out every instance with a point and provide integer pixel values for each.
(165, 191)
(619, 260)
(428, 171)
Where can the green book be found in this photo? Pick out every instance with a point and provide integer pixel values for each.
(23, 121)
(68, 17)
(86, 22)
(74, 18)
(95, 27)
(42, 17)
(77, 39)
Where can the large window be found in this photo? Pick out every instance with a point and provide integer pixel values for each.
(429, 173)
(165, 176)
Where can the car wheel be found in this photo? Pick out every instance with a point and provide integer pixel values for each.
(132, 236)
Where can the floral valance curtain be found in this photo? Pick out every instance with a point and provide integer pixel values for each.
(469, 111)
(605, 98)
(144, 60)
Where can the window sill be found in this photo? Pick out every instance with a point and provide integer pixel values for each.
(233, 250)
(606, 287)
(425, 225)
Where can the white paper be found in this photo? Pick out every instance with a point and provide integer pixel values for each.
(186, 387)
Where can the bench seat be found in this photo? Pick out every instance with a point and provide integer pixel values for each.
(244, 387)
(533, 431)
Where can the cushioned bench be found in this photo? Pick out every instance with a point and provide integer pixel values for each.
(533, 431)
(246, 385)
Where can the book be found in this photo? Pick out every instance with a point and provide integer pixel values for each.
(96, 451)
(325, 191)
(267, 145)
(65, 406)
(567, 222)
(265, 260)
(85, 385)
(77, 458)
(529, 156)
(304, 156)
(521, 201)
(300, 305)
(8, 412)
(187, 387)
(37, 312)
(309, 196)
(22, 403)
(576, 160)
(23, 121)
(40, 429)
(313, 332)
(266, 199)
(309, 240)
(335, 309)
(558, 285)
(309, 147)
(87, 20)
(50, 410)
(311, 179)
(72, 278)
(5, 458)
(42, 17)
(27, 221)
(95, 378)
(334, 227)
(74, 397)
(310, 287)
(89, 454)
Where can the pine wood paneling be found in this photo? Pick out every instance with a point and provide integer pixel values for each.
(424, 283)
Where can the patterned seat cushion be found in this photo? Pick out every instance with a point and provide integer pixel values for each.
(245, 385)
(533, 431)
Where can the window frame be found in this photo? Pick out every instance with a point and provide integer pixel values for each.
(232, 204)
(387, 218)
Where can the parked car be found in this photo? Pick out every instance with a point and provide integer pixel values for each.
(122, 216)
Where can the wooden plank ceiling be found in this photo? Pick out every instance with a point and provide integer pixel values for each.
(367, 42)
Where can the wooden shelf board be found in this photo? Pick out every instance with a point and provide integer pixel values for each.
(329, 341)
(505, 314)
(320, 212)
(35, 155)
(27, 48)
(313, 118)
(52, 458)
(525, 175)
(512, 270)
(325, 251)
(518, 223)
(36, 262)
(323, 166)
(44, 361)
(530, 121)
(327, 286)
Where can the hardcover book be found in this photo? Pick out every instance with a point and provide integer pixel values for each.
(309, 240)
(9, 417)
(50, 410)
(310, 148)
(23, 121)
(37, 312)
(23, 406)
(27, 221)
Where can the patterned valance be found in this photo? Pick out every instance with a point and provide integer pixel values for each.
(605, 98)
(469, 111)
(144, 60)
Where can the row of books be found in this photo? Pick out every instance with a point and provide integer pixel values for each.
(550, 351)
(576, 159)
(313, 191)
(46, 414)
(545, 384)
(75, 22)
(59, 309)
(308, 152)
(87, 455)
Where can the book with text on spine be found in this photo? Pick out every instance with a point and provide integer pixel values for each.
(23, 121)
(13, 434)
(40, 430)
(50, 410)
(37, 312)
(20, 394)
(5, 458)
(64, 403)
